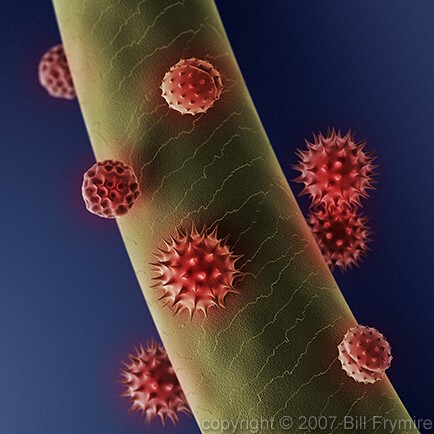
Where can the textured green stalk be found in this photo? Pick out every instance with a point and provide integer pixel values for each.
(273, 351)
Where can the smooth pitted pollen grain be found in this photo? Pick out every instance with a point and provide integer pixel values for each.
(110, 188)
(54, 73)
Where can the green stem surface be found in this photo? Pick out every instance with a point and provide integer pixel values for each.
(273, 351)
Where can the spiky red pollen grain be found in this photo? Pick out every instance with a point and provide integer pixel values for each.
(195, 270)
(54, 73)
(152, 385)
(341, 234)
(365, 354)
(110, 188)
(191, 86)
(335, 170)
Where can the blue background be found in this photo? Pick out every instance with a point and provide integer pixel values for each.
(70, 306)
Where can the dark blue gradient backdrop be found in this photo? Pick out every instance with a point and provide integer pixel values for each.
(70, 305)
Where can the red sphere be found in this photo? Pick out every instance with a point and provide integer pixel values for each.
(341, 234)
(191, 86)
(152, 385)
(335, 170)
(110, 188)
(54, 73)
(365, 354)
(195, 271)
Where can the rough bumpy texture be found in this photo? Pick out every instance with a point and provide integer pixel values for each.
(341, 234)
(110, 188)
(335, 170)
(195, 271)
(353, 370)
(192, 86)
(365, 354)
(272, 351)
(54, 74)
(152, 385)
